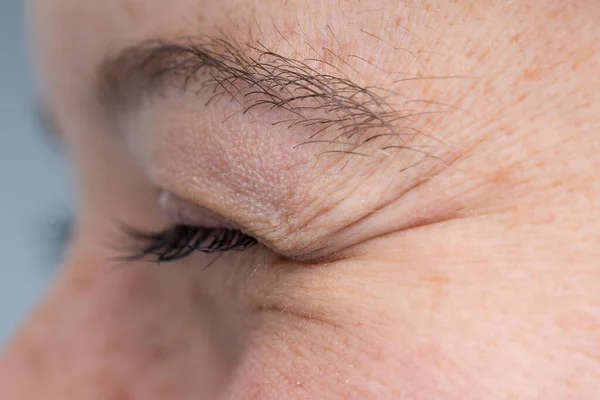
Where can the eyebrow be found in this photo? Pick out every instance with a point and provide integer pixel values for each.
(256, 78)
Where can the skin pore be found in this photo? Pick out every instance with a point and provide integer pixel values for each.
(438, 239)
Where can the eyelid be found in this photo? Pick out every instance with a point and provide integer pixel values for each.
(183, 212)
(179, 242)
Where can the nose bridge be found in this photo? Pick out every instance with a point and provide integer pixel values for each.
(124, 333)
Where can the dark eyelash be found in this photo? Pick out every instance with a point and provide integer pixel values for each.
(180, 241)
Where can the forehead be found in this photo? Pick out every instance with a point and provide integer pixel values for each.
(71, 37)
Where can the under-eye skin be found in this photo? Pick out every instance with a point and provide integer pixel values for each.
(181, 241)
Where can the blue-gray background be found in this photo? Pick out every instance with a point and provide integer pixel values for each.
(34, 190)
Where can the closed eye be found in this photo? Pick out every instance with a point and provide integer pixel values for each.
(181, 241)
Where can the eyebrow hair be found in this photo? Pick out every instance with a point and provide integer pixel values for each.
(255, 77)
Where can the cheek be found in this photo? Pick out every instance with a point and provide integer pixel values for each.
(150, 332)
(301, 359)
(120, 333)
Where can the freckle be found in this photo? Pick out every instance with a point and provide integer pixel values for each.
(485, 53)
(157, 355)
(514, 38)
(583, 57)
(133, 9)
(438, 279)
(501, 178)
(505, 129)
(532, 73)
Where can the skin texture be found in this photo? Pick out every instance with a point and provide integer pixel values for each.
(468, 273)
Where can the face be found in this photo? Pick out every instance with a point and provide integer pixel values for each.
(321, 200)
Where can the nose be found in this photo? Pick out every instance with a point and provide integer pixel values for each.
(131, 332)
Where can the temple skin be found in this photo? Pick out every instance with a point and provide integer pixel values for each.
(466, 270)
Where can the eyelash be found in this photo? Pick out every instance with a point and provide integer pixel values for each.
(180, 241)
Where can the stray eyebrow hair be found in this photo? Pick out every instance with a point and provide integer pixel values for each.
(256, 78)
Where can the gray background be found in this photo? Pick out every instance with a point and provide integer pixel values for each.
(34, 190)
